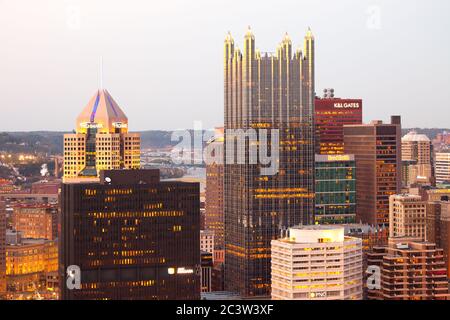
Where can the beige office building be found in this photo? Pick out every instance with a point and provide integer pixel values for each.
(101, 141)
(36, 220)
(407, 216)
(416, 151)
(443, 167)
(207, 241)
(416, 147)
(317, 263)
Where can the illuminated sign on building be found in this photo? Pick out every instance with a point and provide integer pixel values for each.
(119, 125)
(339, 158)
(321, 294)
(180, 271)
(331, 114)
(91, 125)
(440, 191)
(334, 157)
(345, 105)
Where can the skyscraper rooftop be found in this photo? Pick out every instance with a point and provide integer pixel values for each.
(103, 112)
(101, 141)
(414, 136)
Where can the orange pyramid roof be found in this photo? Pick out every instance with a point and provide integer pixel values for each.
(103, 112)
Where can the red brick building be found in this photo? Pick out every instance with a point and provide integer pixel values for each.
(331, 114)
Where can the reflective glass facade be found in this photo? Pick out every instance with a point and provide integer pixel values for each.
(331, 114)
(335, 189)
(132, 236)
(377, 150)
(266, 91)
(214, 219)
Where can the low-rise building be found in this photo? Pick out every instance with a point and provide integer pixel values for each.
(409, 269)
(2, 250)
(36, 220)
(407, 216)
(207, 241)
(29, 263)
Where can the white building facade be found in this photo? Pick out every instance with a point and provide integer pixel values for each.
(317, 263)
(442, 167)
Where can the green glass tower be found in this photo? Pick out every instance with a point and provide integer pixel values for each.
(335, 189)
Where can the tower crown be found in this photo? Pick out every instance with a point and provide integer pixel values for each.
(249, 33)
(229, 38)
(103, 113)
(286, 38)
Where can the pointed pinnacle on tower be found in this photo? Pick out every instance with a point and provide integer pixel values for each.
(298, 53)
(286, 39)
(249, 33)
(309, 34)
(228, 37)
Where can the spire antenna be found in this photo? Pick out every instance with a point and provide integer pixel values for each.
(101, 72)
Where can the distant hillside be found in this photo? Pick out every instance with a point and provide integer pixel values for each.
(156, 139)
(52, 142)
(29, 142)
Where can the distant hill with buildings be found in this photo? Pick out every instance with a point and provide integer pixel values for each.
(429, 132)
(50, 142)
(31, 142)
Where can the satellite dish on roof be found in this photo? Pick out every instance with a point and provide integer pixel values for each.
(108, 179)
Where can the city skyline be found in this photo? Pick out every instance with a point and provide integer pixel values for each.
(271, 174)
(152, 55)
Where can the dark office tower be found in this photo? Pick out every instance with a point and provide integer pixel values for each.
(273, 92)
(433, 218)
(133, 237)
(331, 114)
(377, 150)
(214, 219)
(206, 271)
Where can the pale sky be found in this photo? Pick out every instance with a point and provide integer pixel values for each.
(163, 60)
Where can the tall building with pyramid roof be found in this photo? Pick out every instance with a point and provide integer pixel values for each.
(101, 141)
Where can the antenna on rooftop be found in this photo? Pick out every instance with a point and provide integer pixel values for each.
(101, 72)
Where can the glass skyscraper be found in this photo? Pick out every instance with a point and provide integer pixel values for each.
(335, 189)
(377, 150)
(266, 91)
